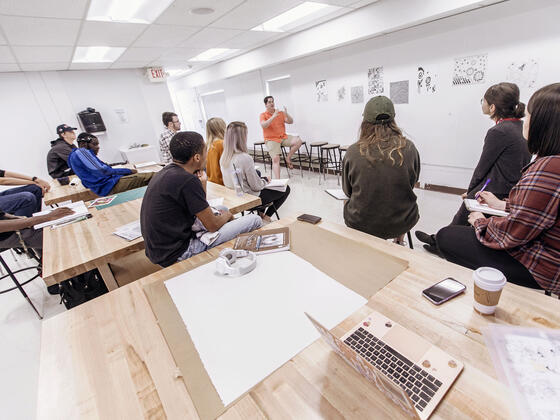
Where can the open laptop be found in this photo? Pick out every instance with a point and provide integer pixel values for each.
(411, 372)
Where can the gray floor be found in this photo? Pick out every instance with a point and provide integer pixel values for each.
(20, 328)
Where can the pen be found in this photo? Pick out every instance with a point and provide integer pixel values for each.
(482, 189)
(79, 219)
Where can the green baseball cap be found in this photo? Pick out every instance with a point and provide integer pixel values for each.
(378, 110)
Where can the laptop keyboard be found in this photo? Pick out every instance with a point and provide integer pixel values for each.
(418, 384)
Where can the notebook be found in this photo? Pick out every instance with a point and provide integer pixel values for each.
(408, 370)
(272, 240)
(338, 194)
(278, 184)
(80, 210)
(474, 205)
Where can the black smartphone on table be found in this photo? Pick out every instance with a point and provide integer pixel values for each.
(444, 290)
(309, 218)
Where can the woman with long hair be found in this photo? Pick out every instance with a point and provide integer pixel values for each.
(525, 244)
(503, 156)
(215, 131)
(236, 162)
(379, 172)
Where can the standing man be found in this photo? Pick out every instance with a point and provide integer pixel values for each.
(57, 158)
(172, 125)
(274, 131)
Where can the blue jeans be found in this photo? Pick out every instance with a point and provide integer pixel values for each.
(227, 232)
(22, 201)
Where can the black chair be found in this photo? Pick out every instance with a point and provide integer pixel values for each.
(263, 156)
(330, 161)
(312, 160)
(301, 159)
(263, 208)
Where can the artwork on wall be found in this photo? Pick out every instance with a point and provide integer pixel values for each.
(375, 81)
(398, 92)
(427, 81)
(357, 94)
(341, 93)
(523, 73)
(321, 91)
(470, 70)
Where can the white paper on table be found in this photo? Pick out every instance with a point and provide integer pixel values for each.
(244, 328)
(79, 208)
(219, 201)
(144, 164)
(130, 231)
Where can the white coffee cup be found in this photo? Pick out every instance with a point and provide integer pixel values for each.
(488, 285)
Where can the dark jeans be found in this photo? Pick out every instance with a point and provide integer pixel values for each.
(33, 238)
(22, 201)
(273, 196)
(461, 218)
(460, 245)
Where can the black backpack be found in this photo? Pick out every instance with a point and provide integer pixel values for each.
(81, 288)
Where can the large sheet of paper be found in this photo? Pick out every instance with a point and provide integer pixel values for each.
(244, 328)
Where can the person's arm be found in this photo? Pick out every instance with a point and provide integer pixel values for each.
(213, 222)
(494, 145)
(203, 177)
(256, 183)
(346, 185)
(265, 123)
(92, 163)
(12, 224)
(13, 178)
(287, 117)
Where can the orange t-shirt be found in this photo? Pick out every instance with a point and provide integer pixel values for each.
(213, 162)
(276, 131)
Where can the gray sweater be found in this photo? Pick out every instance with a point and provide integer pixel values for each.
(251, 182)
(382, 201)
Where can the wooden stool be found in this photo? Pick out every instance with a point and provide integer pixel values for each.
(318, 145)
(331, 161)
(341, 156)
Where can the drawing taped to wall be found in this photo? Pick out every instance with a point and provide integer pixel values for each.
(341, 93)
(357, 94)
(398, 92)
(523, 73)
(375, 81)
(427, 81)
(321, 91)
(470, 70)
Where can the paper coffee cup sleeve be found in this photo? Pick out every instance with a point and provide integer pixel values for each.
(485, 297)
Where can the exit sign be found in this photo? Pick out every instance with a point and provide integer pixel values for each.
(156, 74)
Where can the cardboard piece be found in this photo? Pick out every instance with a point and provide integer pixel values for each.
(354, 264)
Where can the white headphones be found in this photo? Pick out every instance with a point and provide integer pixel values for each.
(232, 262)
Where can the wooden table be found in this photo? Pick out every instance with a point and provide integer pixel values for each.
(88, 244)
(108, 359)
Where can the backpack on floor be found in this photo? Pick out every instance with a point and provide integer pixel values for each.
(81, 288)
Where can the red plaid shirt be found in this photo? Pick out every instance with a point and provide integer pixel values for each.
(531, 231)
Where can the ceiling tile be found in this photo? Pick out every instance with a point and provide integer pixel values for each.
(43, 66)
(6, 55)
(164, 36)
(4, 67)
(43, 54)
(253, 13)
(3, 40)
(73, 9)
(346, 3)
(179, 12)
(89, 66)
(141, 54)
(129, 64)
(39, 31)
(249, 39)
(109, 34)
(209, 38)
(180, 54)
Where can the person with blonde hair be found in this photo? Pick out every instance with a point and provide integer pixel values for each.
(379, 172)
(215, 131)
(236, 162)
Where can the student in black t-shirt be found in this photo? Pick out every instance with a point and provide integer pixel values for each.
(176, 197)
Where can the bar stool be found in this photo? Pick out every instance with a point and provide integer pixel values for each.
(264, 156)
(318, 145)
(331, 161)
(300, 159)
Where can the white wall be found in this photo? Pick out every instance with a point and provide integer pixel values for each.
(34, 103)
(448, 127)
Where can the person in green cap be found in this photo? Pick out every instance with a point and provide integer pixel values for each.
(379, 172)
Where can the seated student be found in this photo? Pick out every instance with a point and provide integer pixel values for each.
(378, 175)
(215, 130)
(97, 175)
(236, 157)
(25, 200)
(525, 245)
(61, 147)
(176, 198)
(504, 154)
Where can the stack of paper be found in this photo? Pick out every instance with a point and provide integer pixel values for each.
(80, 211)
(130, 231)
(473, 205)
(278, 184)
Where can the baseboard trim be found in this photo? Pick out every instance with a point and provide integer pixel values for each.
(444, 189)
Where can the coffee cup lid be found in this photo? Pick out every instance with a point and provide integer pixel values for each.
(490, 275)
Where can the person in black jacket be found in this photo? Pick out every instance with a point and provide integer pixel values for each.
(504, 155)
(57, 158)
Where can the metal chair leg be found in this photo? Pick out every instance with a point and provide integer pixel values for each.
(18, 285)
(409, 237)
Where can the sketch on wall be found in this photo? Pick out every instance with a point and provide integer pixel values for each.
(375, 81)
(321, 91)
(470, 70)
(427, 81)
(357, 94)
(523, 73)
(398, 92)
(341, 93)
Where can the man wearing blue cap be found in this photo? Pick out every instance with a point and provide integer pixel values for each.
(57, 158)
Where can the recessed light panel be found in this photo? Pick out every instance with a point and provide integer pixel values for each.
(130, 11)
(97, 54)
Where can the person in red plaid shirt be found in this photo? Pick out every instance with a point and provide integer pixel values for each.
(525, 245)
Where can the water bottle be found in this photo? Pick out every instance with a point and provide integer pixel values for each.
(236, 175)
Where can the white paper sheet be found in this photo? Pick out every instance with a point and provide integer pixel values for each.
(277, 184)
(218, 201)
(473, 205)
(337, 193)
(244, 328)
(130, 231)
(80, 210)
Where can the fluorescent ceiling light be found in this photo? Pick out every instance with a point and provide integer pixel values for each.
(213, 54)
(131, 11)
(299, 15)
(97, 54)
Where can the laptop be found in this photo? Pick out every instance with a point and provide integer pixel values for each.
(408, 370)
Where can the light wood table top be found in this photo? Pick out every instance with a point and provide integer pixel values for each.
(108, 358)
(82, 246)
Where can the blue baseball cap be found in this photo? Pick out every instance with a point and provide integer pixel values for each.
(62, 128)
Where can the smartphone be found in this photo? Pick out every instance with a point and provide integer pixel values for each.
(444, 290)
(309, 218)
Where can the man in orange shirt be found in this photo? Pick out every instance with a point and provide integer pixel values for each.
(274, 131)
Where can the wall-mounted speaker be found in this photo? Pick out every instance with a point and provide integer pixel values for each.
(91, 121)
